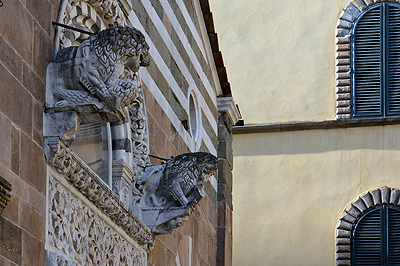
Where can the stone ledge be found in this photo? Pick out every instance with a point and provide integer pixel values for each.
(315, 125)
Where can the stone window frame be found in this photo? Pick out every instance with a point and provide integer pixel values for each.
(197, 137)
(343, 55)
(367, 200)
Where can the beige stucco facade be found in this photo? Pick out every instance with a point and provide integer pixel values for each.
(280, 57)
(290, 188)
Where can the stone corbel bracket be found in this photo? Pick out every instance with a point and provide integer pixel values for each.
(5, 193)
(89, 184)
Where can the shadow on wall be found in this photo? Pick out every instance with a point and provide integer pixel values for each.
(317, 141)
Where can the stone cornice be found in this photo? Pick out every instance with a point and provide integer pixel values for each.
(90, 185)
(315, 125)
(228, 105)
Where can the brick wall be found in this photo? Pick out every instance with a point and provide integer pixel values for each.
(26, 36)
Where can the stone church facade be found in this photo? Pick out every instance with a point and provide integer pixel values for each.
(115, 124)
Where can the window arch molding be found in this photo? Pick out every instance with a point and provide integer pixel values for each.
(367, 200)
(343, 54)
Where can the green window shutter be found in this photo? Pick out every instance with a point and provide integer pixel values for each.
(393, 64)
(376, 237)
(367, 89)
(394, 236)
(376, 62)
(368, 240)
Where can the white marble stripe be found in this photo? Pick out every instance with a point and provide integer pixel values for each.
(175, 23)
(191, 26)
(159, 97)
(167, 72)
(210, 146)
(181, 64)
(213, 182)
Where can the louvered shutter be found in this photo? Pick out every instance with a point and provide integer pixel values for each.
(376, 62)
(367, 89)
(376, 238)
(368, 240)
(394, 236)
(393, 64)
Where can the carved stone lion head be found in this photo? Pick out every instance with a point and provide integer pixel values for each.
(121, 43)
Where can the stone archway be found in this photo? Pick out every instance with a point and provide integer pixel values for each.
(375, 197)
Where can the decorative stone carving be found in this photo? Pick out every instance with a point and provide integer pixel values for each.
(171, 191)
(78, 236)
(99, 76)
(140, 151)
(5, 193)
(98, 14)
(90, 185)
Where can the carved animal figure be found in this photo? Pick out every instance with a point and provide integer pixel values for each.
(102, 69)
(179, 182)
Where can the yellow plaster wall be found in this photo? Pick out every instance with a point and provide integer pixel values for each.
(279, 57)
(290, 189)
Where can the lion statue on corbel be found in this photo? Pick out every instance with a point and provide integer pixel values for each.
(102, 69)
(179, 182)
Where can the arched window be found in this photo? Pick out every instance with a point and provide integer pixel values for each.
(376, 62)
(376, 237)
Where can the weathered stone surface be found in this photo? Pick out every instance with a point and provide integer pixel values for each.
(366, 197)
(34, 251)
(225, 151)
(32, 164)
(33, 221)
(10, 241)
(41, 10)
(18, 35)
(17, 106)
(359, 204)
(15, 144)
(10, 59)
(34, 84)
(5, 193)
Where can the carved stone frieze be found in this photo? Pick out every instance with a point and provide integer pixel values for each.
(78, 236)
(90, 185)
(5, 193)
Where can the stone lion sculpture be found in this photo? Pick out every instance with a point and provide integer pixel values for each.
(179, 182)
(102, 69)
